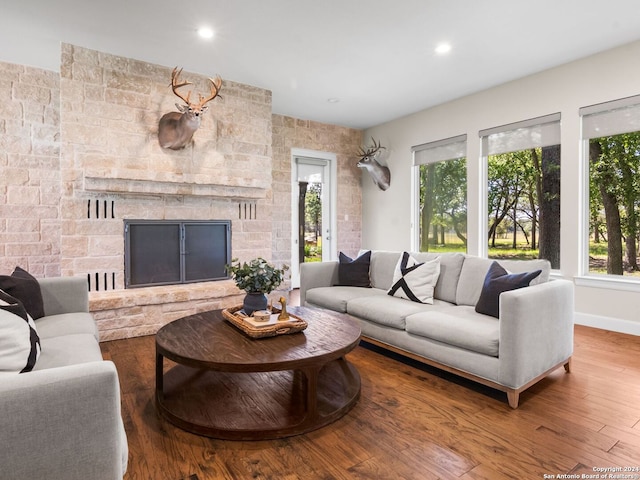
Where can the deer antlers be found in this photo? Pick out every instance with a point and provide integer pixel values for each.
(216, 85)
(175, 129)
(371, 151)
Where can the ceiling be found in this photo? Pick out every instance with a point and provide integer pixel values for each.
(375, 57)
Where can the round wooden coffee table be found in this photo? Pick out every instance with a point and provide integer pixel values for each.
(227, 385)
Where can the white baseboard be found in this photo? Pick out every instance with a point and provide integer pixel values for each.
(608, 323)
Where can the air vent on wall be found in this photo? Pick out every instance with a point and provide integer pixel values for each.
(101, 208)
(247, 211)
(101, 281)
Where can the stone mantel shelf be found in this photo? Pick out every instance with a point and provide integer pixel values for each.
(163, 295)
(184, 185)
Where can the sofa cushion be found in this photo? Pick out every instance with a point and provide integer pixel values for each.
(19, 340)
(389, 311)
(474, 270)
(68, 350)
(498, 281)
(460, 326)
(381, 269)
(413, 280)
(336, 298)
(450, 267)
(23, 286)
(354, 272)
(67, 324)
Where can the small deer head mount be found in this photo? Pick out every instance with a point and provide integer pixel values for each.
(368, 159)
(176, 129)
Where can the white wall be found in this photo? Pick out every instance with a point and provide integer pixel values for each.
(606, 76)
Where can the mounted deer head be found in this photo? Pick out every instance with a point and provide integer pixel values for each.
(176, 129)
(379, 173)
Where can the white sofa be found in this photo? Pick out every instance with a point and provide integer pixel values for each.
(63, 420)
(532, 336)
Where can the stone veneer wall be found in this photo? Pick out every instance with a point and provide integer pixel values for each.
(112, 169)
(79, 153)
(30, 167)
(344, 142)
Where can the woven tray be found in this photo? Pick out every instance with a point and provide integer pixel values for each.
(293, 325)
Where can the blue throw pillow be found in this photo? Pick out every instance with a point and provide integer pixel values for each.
(498, 280)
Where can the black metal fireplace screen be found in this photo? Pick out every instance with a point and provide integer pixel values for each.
(167, 252)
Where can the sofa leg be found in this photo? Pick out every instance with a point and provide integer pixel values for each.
(567, 366)
(513, 396)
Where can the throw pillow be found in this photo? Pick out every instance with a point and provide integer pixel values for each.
(19, 340)
(354, 272)
(498, 280)
(413, 280)
(23, 286)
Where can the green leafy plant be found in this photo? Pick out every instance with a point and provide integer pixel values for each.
(256, 276)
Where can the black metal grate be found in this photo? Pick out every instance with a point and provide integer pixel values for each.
(168, 252)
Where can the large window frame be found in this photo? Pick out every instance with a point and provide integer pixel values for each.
(452, 148)
(611, 118)
(538, 132)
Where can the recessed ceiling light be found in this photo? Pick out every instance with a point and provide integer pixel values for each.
(443, 48)
(333, 100)
(205, 32)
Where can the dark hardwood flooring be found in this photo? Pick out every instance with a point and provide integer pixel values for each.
(414, 422)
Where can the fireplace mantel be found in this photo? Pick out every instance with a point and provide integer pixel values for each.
(152, 183)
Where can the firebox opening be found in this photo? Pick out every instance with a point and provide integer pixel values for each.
(167, 252)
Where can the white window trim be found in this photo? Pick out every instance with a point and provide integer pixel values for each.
(583, 221)
(415, 210)
(483, 201)
(609, 282)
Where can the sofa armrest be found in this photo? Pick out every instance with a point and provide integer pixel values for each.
(536, 330)
(317, 274)
(64, 295)
(63, 423)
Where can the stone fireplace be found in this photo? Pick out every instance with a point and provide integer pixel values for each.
(112, 169)
(80, 155)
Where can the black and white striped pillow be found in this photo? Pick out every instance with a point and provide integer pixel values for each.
(413, 280)
(19, 340)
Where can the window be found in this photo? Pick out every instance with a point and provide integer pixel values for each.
(165, 252)
(441, 171)
(523, 192)
(611, 136)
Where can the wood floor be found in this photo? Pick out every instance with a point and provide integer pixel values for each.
(414, 423)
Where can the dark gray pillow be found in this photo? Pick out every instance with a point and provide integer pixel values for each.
(24, 286)
(354, 272)
(496, 281)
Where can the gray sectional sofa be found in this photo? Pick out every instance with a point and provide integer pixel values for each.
(532, 336)
(62, 420)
